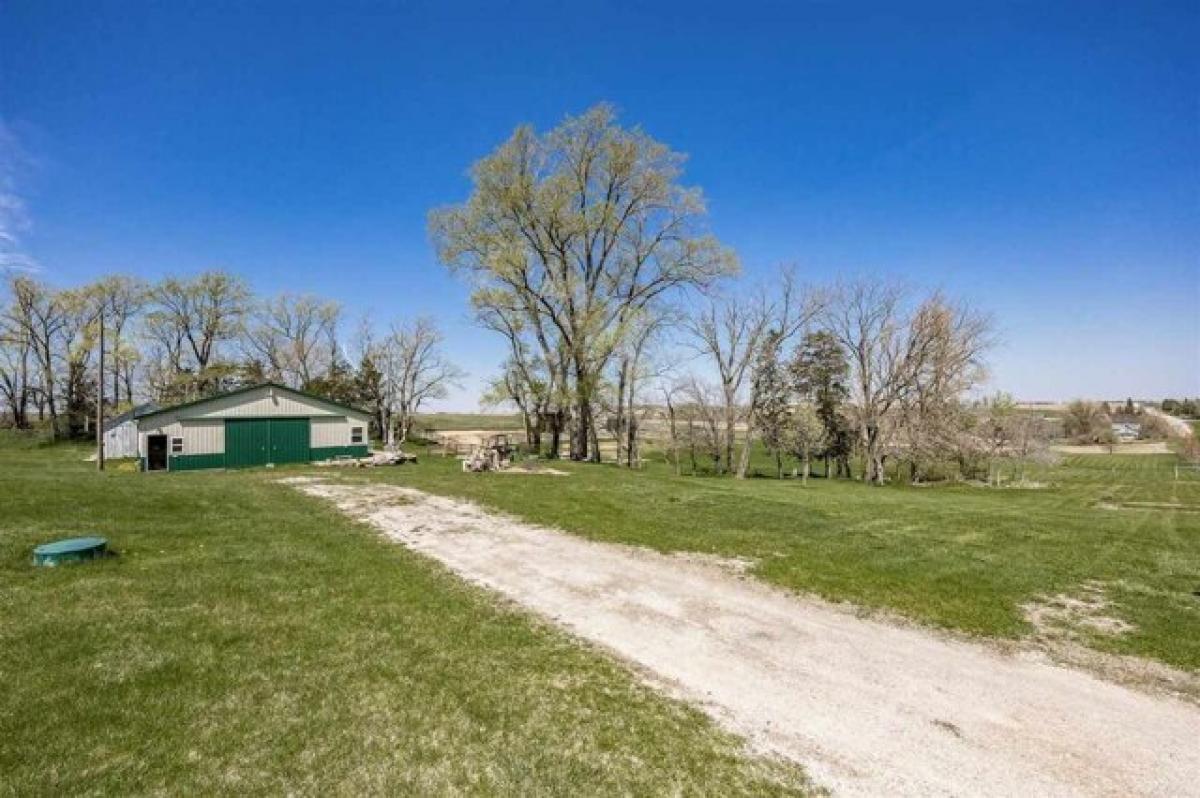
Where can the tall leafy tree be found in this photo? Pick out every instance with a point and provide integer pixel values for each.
(583, 228)
(194, 320)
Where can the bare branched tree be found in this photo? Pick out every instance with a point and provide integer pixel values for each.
(730, 330)
(414, 370)
(295, 337)
(16, 377)
(38, 314)
(121, 298)
(904, 360)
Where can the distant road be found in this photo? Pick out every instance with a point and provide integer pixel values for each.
(1179, 427)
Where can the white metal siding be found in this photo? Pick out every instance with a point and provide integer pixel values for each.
(203, 436)
(200, 436)
(121, 440)
(330, 431)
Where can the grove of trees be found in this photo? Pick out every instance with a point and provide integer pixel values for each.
(183, 338)
(591, 259)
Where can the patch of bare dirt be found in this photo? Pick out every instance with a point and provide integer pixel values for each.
(1023, 484)
(1061, 624)
(1066, 615)
(735, 565)
(532, 467)
(1141, 447)
(867, 706)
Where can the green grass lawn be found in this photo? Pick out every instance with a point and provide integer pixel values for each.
(249, 640)
(960, 557)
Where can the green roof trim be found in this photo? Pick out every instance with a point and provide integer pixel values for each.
(247, 389)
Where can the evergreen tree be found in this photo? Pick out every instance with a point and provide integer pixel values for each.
(369, 391)
(340, 383)
(819, 371)
(772, 397)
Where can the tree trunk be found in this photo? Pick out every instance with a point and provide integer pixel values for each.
(539, 422)
(579, 432)
(556, 425)
(744, 456)
(631, 450)
(873, 472)
(692, 444)
(528, 427)
(48, 392)
(804, 471)
(674, 436)
(594, 441)
(622, 376)
(730, 431)
(127, 376)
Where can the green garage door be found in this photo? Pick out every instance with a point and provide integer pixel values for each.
(247, 442)
(258, 441)
(289, 440)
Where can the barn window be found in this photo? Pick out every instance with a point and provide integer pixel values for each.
(177, 446)
(356, 434)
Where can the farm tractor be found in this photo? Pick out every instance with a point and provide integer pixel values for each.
(494, 454)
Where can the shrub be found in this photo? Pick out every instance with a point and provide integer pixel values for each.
(1087, 422)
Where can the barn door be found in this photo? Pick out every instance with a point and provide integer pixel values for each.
(247, 442)
(290, 440)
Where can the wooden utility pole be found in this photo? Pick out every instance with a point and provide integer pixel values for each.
(100, 399)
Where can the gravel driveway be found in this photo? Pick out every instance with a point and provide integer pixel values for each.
(869, 708)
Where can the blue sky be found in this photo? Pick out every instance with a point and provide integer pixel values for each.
(1041, 162)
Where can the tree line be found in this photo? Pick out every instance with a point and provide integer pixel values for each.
(184, 338)
(592, 261)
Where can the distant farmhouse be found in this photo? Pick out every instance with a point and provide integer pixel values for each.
(259, 425)
(1126, 423)
(1126, 431)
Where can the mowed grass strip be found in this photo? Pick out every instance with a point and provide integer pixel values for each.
(250, 640)
(957, 556)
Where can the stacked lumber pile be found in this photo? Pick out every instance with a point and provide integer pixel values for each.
(370, 461)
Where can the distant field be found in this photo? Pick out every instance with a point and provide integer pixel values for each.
(966, 558)
(251, 641)
(468, 421)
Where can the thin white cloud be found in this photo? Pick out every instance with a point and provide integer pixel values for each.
(14, 216)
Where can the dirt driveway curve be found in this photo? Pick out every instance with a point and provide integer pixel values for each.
(868, 707)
